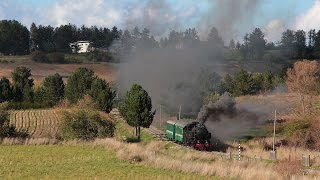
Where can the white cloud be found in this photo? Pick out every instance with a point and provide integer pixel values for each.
(310, 19)
(274, 29)
(82, 12)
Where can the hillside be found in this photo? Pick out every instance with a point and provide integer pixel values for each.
(41, 70)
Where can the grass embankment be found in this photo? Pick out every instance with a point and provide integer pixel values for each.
(75, 162)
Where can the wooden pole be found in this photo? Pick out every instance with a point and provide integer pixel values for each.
(180, 112)
(274, 129)
(160, 117)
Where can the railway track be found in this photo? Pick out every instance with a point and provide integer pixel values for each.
(155, 132)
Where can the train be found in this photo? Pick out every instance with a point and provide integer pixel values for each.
(190, 133)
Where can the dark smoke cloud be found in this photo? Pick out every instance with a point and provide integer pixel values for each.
(226, 120)
(169, 75)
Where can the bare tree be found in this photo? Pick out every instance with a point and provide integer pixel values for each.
(303, 79)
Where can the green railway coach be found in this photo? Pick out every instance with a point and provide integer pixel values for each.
(176, 130)
(170, 129)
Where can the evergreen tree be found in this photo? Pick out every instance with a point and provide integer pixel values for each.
(137, 108)
(22, 85)
(79, 84)
(102, 93)
(5, 90)
(53, 88)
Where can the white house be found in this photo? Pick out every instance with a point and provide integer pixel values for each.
(81, 47)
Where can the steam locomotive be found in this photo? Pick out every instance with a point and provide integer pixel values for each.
(190, 133)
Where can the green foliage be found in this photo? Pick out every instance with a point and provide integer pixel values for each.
(7, 130)
(39, 56)
(228, 84)
(5, 89)
(137, 108)
(256, 44)
(79, 84)
(102, 93)
(27, 93)
(56, 57)
(99, 56)
(53, 88)
(211, 98)
(14, 38)
(22, 85)
(81, 124)
(51, 92)
(290, 128)
(245, 83)
(25, 105)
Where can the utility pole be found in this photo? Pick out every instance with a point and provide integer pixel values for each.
(160, 117)
(274, 128)
(117, 95)
(180, 112)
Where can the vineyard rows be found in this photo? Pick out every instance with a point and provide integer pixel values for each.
(37, 123)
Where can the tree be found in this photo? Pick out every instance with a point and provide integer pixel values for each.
(191, 37)
(317, 45)
(228, 84)
(287, 43)
(22, 85)
(64, 35)
(5, 89)
(302, 78)
(232, 44)
(79, 84)
(256, 44)
(268, 82)
(102, 93)
(243, 83)
(14, 38)
(137, 108)
(300, 44)
(214, 37)
(53, 88)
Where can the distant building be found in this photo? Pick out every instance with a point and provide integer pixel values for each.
(81, 46)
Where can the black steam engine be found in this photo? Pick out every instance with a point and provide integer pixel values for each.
(190, 133)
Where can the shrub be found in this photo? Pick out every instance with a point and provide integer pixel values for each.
(39, 56)
(56, 57)
(81, 124)
(99, 56)
(307, 138)
(7, 130)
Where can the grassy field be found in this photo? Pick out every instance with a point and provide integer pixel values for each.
(75, 162)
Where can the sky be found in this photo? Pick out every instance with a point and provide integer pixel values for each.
(233, 18)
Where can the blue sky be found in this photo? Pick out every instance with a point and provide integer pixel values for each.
(232, 17)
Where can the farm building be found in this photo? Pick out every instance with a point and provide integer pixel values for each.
(81, 46)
